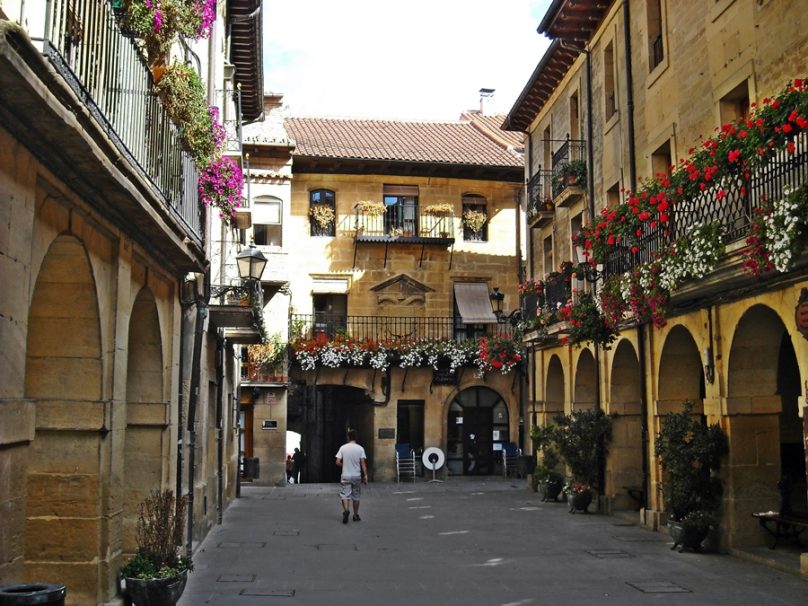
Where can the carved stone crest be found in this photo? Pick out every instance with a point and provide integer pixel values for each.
(401, 290)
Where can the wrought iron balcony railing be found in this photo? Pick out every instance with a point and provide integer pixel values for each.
(539, 194)
(734, 211)
(381, 328)
(108, 72)
(406, 224)
(229, 104)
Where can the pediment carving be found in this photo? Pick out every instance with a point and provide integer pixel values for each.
(401, 290)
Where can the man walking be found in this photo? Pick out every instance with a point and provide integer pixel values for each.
(351, 457)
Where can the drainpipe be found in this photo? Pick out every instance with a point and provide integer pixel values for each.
(219, 426)
(632, 171)
(193, 399)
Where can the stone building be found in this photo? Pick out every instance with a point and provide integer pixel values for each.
(104, 266)
(408, 271)
(629, 89)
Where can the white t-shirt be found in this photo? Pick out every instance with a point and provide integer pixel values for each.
(351, 454)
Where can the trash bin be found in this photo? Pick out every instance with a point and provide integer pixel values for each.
(251, 468)
(24, 594)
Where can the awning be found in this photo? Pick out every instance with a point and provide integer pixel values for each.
(473, 303)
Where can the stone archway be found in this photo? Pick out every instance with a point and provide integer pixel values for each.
(66, 527)
(146, 443)
(584, 394)
(624, 465)
(763, 383)
(554, 388)
(680, 380)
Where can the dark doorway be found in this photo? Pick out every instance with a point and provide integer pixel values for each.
(325, 413)
(410, 424)
(792, 450)
(477, 430)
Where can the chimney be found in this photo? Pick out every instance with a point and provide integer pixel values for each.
(485, 93)
(272, 101)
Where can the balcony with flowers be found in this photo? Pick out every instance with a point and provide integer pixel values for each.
(568, 173)
(385, 342)
(540, 205)
(734, 213)
(431, 224)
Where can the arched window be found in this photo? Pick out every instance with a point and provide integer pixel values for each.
(473, 203)
(323, 212)
(268, 221)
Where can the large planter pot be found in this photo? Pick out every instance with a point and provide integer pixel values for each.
(579, 501)
(686, 536)
(156, 592)
(551, 489)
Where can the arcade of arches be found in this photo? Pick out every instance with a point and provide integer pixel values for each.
(750, 381)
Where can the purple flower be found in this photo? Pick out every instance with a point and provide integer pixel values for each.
(158, 21)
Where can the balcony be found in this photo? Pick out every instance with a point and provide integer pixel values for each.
(403, 225)
(88, 111)
(229, 104)
(540, 207)
(735, 211)
(569, 172)
(381, 328)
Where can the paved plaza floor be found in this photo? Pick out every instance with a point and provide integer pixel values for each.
(465, 541)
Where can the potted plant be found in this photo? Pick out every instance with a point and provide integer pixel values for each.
(183, 96)
(157, 574)
(690, 452)
(443, 209)
(582, 438)
(323, 215)
(474, 220)
(370, 208)
(265, 358)
(220, 185)
(546, 478)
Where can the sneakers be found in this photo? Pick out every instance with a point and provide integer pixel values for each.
(356, 517)
(345, 515)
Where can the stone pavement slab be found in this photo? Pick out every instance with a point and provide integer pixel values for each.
(489, 542)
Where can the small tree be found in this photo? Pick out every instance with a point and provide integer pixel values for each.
(582, 438)
(689, 452)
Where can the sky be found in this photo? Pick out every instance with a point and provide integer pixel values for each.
(417, 60)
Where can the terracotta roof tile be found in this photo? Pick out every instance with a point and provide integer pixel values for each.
(436, 142)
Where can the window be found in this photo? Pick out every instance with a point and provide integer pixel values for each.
(330, 314)
(574, 121)
(735, 104)
(267, 221)
(547, 151)
(472, 203)
(613, 196)
(656, 52)
(661, 160)
(548, 255)
(608, 84)
(322, 203)
(401, 210)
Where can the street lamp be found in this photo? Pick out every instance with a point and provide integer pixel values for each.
(497, 297)
(251, 263)
(591, 273)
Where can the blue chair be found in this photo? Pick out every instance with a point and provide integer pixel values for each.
(405, 462)
(510, 457)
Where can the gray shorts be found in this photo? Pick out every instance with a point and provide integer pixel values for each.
(350, 488)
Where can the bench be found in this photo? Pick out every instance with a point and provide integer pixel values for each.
(781, 526)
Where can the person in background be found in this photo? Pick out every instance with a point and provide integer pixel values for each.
(290, 466)
(352, 459)
(297, 460)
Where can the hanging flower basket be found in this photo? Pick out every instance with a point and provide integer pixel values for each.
(474, 220)
(439, 210)
(370, 208)
(323, 215)
(220, 185)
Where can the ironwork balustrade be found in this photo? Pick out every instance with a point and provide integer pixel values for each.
(229, 104)
(108, 72)
(411, 226)
(381, 328)
(735, 211)
(539, 193)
